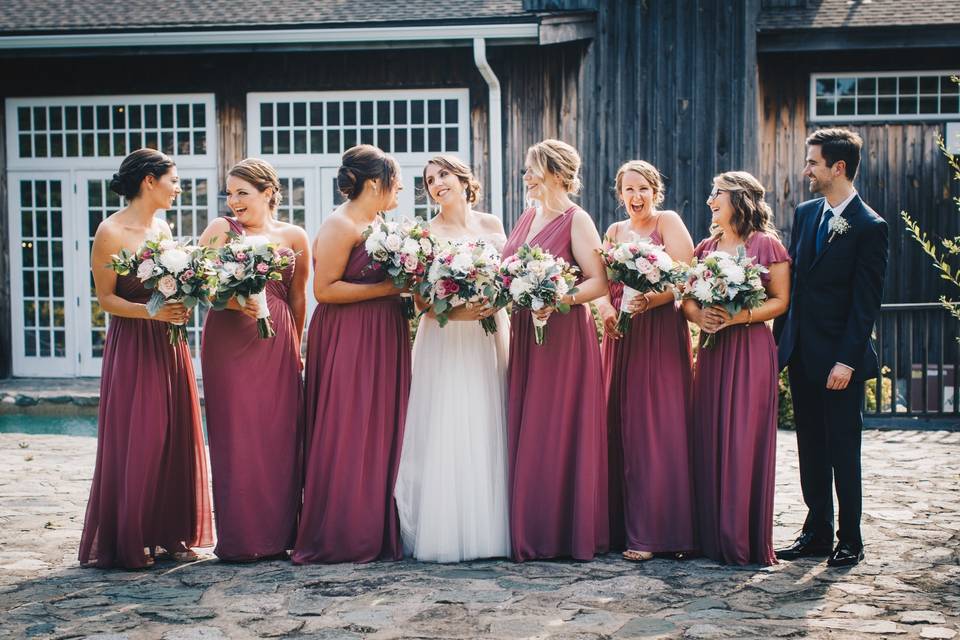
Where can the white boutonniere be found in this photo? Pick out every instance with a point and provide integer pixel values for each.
(837, 226)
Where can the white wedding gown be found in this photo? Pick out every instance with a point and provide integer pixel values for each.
(451, 487)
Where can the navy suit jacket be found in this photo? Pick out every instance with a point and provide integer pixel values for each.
(835, 294)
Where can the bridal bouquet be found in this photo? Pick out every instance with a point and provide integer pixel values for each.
(534, 279)
(404, 249)
(461, 273)
(720, 279)
(641, 266)
(176, 272)
(245, 264)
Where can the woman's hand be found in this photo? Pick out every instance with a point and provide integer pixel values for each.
(715, 318)
(609, 317)
(639, 304)
(543, 314)
(250, 308)
(173, 312)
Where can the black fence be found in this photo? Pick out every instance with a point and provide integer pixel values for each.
(919, 357)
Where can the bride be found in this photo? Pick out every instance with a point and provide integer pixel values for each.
(451, 487)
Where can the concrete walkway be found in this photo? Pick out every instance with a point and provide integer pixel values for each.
(908, 587)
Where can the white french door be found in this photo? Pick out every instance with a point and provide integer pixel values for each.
(61, 155)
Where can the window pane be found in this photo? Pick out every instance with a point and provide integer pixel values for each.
(433, 111)
(266, 114)
(866, 106)
(166, 116)
(434, 140)
(333, 142)
(866, 86)
(383, 112)
(907, 85)
(349, 113)
(929, 104)
(400, 140)
(299, 141)
(366, 112)
(451, 111)
(887, 86)
(299, 114)
(39, 119)
(400, 112)
(845, 107)
(103, 116)
(929, 84)
(908, 105)
(416, 111)
(316, 141)
(119, 119)
(283, 114)
(333, 114)
(416, 142)
(316, 114)
(949, 104)
(826, 107)
(133, 116)
(452, 139)
(23, 118)
(948, 86)
(383, 139)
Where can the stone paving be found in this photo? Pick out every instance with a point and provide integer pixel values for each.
(908, 587)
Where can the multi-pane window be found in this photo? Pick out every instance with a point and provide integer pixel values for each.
(421, 202)
(111, 130)
(885, 96)
(293, 206)
(101, 202)
(42, 268)
(314, 127)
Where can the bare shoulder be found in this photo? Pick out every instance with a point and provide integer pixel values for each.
(219, 225)
(490, 222)
(672, 219)
(337, 230)
(109, 234)
(583, 219)
(613, 230)
(293, 234)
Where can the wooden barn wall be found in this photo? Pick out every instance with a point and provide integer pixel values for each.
(901, 167)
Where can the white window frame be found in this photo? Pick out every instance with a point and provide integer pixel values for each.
(193, 161)
(71, 170)
(907, 117)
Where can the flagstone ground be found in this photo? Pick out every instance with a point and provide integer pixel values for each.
(908, 587)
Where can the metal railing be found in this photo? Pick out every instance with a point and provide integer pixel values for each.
(919, 359)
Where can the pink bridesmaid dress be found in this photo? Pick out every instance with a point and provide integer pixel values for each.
(254, 404)
(648, 373)
(150, 481)
(556, 431)
(735, 431)
(357, 384)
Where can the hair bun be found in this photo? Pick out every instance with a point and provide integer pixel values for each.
(347, 182)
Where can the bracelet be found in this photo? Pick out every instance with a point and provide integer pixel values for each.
(749, 316)
(573, 298)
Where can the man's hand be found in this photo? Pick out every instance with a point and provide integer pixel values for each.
(839, 377)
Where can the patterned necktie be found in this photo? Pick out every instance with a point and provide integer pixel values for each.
(824, 229)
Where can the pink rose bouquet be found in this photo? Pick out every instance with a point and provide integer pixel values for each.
(175, 271)
(245, 265)
(534, 279)
(404, 249)
(462, 273)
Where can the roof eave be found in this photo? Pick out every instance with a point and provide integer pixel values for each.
(857, 38)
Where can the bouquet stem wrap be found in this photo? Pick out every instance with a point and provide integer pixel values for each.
(539, 329)
(264, 324)
(623, 318)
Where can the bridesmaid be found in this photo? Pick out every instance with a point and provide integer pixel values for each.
(735, 385)
(150, 481)
(255, 431)
(651, 491)
(556, 435)
(357, 379)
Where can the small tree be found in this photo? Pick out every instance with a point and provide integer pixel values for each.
(947, 250)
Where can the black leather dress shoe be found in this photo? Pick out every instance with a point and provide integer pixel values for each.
(806, 545)
(845, 555)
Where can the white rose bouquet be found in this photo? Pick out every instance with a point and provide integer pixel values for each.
(245, 265)
(175, 271)
(720, 279)
(462, 273)
(404, 249)
(640, 266)
(534, 279)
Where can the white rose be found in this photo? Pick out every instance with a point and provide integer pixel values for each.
(145, 270)
(562, 287)
(643, 266)
(536, 304)
(167, 245)
(654, 276)
(410, 246)
(239, 272)
(175, 260)
(462, 262)
(392, 242)
(425, 245)
(410, 262)
(167, 286)
(664, 261)
(621, 254)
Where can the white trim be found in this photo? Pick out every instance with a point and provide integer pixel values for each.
(523, 31)
(192, 161)
(951, 138)
(906, 117)
(493, 125)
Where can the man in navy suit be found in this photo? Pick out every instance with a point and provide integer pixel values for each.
(839, 249)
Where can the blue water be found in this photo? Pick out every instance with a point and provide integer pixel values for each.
(49, 425)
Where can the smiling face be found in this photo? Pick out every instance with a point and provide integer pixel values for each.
(638, 195)
(820, 176)
(443, 186)
(251, 207)
(390, 199)
(721, 208)
(163, 190)
(543, 187)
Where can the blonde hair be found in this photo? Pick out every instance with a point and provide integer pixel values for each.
(750, 211)
(261, 175)
(649, 173)
(558, 158)
(471, 186)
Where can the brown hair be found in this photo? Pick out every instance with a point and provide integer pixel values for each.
(137, 166)
(750, 211)
(839, 144)
(649, 173)
(560, 159)
(471, 186)
(261, 175)
(362, 163)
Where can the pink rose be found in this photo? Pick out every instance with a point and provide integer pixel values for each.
(506, 281)
(262, 267)
(241, 256)
(446, 288)
(147, 254)
(167, 286)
